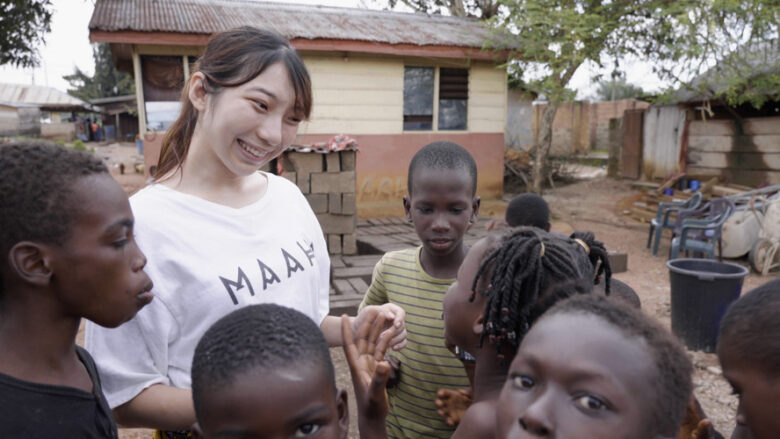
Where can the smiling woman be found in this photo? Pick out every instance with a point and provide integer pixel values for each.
(219, 234)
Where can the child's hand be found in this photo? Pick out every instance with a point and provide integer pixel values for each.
(393, 313)
(365, 355)
(395, 371)
(452, 404)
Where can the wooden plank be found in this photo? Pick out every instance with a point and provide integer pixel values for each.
(742, 160)
(713, 143)
(751, 178)
(753, 126)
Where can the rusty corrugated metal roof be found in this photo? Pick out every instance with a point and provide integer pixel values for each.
(37, 95)
(290, 20)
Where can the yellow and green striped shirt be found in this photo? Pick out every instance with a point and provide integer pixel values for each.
(426, 364)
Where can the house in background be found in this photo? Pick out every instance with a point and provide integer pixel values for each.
(119, 116)
(392, 81)
(705, 138)
(23, 106)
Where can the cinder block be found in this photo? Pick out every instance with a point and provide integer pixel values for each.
(327, 182)
(349, 244)
(348, 159)
(336, 224)
(332, 162)
(358, 284)
(292, 176)
(618, 261)
(287, 164)
(318, 202)
(306, 162)
(334, 203)
(348, 205)
(334, 244)
(303, 183)
(344, 287)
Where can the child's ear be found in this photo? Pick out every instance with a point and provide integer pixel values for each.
(343, 408)
(475, 203)
(31, 262)
(408, 208)
(197, 433)
(197, 91)
(479, 324)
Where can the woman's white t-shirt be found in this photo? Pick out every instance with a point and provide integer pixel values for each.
(206, 260)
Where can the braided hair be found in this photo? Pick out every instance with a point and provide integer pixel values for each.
(598, 256)
(529, 270)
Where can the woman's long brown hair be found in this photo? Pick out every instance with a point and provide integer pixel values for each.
(232, 58)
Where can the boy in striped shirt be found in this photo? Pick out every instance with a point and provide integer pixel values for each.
(442, 204)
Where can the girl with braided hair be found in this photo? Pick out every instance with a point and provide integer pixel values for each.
(505, 283)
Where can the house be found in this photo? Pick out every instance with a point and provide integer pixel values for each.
(392, 81)
(118, 113)
(696, 132)
(23, 106)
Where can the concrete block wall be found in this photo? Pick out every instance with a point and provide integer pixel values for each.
(328, 182)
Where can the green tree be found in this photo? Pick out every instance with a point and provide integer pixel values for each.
(458, 8)
(552, 39)
(725, 50)
(23, 23)
(107, 80)
(619, 88)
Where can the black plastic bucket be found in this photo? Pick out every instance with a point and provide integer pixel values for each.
(702, 291)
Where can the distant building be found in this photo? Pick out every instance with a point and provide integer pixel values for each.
(23, 106)
(393, 81)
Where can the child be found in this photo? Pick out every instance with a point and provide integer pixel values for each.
(66, 235)
(441, 205)
(506, 282)
(265, 371)
(594, 368)
(528, 210)
(749, 353)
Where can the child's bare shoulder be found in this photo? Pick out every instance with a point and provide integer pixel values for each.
(478, 421)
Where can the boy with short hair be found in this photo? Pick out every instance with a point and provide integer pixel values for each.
(265, 371)
(442, 205)
(528, 210)
(66, 237)
(749, 353)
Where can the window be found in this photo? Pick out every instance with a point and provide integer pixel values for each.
(418, 98)
(453, 98)
(419, 105)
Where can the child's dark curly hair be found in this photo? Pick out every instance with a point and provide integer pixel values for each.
(524, 272)
(36, 197)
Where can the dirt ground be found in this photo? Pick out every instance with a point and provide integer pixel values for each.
(584, 205)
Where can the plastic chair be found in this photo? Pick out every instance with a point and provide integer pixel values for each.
(701, 235)
(708, 211)
(662, 220)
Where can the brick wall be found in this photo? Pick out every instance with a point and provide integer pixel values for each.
(328, 183)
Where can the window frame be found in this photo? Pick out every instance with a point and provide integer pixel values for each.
(436, 94)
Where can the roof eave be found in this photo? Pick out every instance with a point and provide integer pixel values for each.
(324, 45)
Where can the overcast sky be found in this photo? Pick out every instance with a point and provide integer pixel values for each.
(67, 46)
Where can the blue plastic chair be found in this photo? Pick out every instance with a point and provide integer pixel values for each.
(702, 235)
(663, 221)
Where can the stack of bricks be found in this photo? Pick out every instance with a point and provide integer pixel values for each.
(328, 182)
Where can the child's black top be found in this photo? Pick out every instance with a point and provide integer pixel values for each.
(42, 410)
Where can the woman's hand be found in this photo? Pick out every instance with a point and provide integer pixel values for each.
(391, 312)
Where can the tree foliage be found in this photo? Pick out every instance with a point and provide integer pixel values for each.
(620, 88)
(719, 49)
(458, 8)
(107, 80)
(23, 24)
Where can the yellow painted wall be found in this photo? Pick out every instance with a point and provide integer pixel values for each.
(364, 94)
